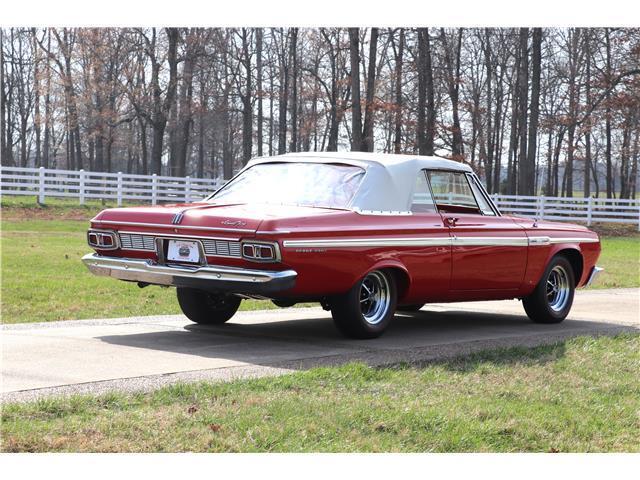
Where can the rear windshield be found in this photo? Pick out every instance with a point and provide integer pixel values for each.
(307, 184)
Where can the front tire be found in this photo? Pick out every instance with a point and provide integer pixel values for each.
(367, 309)
(207, 308)
(552, 298)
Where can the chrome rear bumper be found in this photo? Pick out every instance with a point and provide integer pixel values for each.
(595, 271)
(209, 277)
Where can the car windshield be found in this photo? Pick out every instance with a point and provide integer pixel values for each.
(307, 184)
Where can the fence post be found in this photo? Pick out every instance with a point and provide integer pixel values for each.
(41, 186)
(119, 195)
(187, 193)
(541, 207)
(589, 210)
(81, 187)
(154, 189)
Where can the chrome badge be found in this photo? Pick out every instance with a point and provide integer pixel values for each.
(177, 218)
(233, 223)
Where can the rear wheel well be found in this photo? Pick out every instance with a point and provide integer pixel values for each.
(575, 259)
(401, 279)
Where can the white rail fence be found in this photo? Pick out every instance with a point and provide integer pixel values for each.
(120, 187)
(154, 189)
(585, 210)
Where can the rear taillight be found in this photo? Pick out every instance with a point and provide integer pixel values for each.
(102, 240)
(260, 251)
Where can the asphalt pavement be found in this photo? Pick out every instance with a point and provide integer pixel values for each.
(144, 353)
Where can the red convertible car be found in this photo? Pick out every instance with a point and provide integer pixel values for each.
(363, 234)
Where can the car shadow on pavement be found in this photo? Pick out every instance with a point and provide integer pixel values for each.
(306, 342)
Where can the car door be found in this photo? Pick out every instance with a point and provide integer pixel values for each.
(429, 261)
(489, 252)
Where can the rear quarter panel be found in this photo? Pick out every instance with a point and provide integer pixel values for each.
(328, 270)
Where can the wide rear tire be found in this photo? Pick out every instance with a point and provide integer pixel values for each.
(367, 309)
(205, 307)
(552, 298)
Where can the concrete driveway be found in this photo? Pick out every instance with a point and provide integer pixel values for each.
(143, 353)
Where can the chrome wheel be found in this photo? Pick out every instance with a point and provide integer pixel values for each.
(375, 297)
(558, 288)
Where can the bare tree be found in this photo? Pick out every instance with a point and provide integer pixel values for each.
(533, 110)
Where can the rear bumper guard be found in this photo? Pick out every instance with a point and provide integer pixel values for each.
(595, 271)
(208, 277)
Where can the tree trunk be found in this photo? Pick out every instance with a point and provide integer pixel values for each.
(536, 65)
(283, 101)
(634, 165)
(523, 167)
(367, 131)
(513, 137)
(271, 115)
(37, 121)
(259, 93)
(453, 84)
(607, 117)
(488, 164)
(185, 115)
(573, 100)
(247, 109)
(293, 146)
(426, 96)
(143, 146)
(3, 101)
(162, 107)
(356, 109)
(47, 108)
(75, 155)
(397, 142)
(586, 186)
(556, 161)
(547, 189)
(624, 157)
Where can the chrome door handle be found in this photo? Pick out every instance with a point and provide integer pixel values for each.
(451, 221)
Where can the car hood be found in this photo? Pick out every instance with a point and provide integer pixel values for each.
(243, 218)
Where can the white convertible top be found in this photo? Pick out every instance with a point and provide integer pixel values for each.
(389, 178)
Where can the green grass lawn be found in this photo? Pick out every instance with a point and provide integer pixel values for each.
(620, 258)
(582, 395)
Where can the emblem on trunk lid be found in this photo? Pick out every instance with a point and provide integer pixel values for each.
(233, 223)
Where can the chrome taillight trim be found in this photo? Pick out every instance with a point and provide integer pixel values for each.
(272, 245)
(100, 234)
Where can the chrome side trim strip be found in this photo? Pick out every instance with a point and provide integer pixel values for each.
(363, 242)
(490, 241)
(575, 240)
(182, 227)
(432, 242)
(408, 242)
